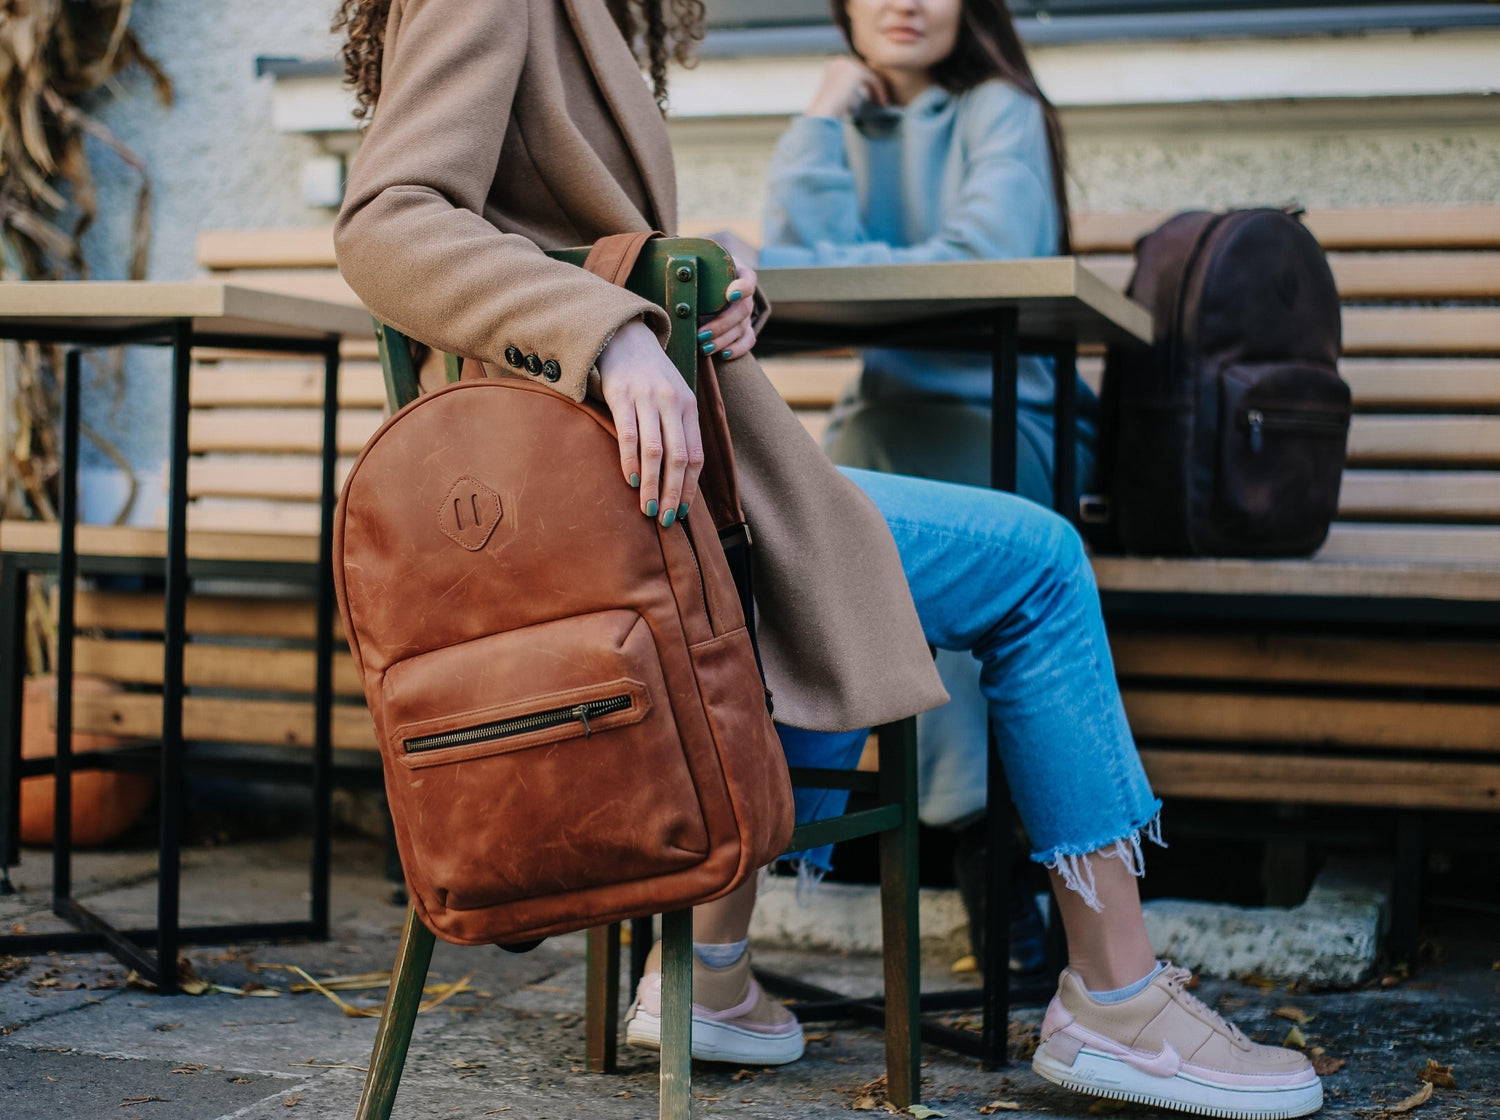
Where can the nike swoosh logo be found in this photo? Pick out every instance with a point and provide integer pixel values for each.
(1164, 1064)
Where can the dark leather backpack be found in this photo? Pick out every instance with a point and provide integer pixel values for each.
(1227, 435)
(570, 716)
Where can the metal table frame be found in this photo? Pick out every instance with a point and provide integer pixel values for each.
(153, 952)
(999, 993)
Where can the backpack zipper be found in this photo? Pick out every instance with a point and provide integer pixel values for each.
(521, 725)
(1320, 421)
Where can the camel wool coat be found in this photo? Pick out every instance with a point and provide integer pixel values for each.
(506, 127)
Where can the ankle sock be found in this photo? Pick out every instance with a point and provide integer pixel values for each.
(1118, 995)
(720, 956)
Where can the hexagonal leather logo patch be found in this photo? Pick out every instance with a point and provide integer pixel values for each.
(469, 513)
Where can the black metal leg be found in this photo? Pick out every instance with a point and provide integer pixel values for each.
(642, 936)
(168, 896)
(322, 779)
(996, 962)
(1003, 423)
(67, 589)
(1065, 432)
(12, 685)
(1406, 896)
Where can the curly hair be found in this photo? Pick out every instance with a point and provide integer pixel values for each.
(659, 32)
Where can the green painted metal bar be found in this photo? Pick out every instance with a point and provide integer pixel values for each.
(393, 1036)
(401, 385)
(846, 827)
(680, 287)
(900, 928)
(676, 1016)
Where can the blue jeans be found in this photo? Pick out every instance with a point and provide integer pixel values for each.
(1008, 581)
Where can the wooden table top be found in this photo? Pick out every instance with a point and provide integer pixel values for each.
(213, 307)
(1058, 299)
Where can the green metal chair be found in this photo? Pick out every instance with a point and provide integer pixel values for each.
(688, 276)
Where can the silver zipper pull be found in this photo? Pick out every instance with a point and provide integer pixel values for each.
(1257, 420)
(582, 712)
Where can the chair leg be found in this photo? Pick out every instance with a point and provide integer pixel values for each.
(900, 924)
(602, 999)
(677, 1015)
(12, 674)
(393, 1036)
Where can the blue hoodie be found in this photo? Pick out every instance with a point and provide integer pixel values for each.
(947, 177)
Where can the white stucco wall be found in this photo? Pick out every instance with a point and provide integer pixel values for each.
(216, 163)
(1400, 119)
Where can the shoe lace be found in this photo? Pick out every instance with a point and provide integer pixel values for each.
(1177, 980)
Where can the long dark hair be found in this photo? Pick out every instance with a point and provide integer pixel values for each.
(990, 47)
(659, 31)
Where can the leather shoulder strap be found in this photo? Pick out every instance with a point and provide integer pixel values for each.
(614, 256)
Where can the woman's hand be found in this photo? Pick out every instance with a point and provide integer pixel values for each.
(656, 418)
(729, 333)
(847, 82)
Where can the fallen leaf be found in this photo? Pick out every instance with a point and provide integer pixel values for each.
(1416, 1100)
(1323, 1065)
(744, 1075)
(922, 1112)
(819, 1036)
(143, 1100)
(1105, 1107)
(165, 1027)
(1439, 1075)
(999, 1106)
(1256, 980)
(1295, 1039)
(292, 1102)
(239, 1081)
(965, 964)
(1295, 1014)
(464, 1063)
(866, 1103)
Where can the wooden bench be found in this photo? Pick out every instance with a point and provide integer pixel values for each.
(1375, 684)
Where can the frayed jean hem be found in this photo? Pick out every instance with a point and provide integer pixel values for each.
(1072, 863)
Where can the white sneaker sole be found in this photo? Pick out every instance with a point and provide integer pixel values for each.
(720, 1042)
(1106, 1076)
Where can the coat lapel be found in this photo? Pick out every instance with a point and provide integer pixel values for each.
(630, 102)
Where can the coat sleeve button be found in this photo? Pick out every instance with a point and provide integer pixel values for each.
(551, 370)
(513, 357)
(533, 364)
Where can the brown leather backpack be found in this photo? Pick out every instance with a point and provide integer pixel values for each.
(570, 716)
(1226, 436)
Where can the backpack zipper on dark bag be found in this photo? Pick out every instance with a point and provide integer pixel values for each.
(1313, 421)
(521, 725)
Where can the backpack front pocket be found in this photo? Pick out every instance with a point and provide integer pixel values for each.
(562, 735)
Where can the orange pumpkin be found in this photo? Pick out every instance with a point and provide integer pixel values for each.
(105, 802)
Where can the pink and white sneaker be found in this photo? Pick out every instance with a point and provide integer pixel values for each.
(1164, 1046)
(733, 1018)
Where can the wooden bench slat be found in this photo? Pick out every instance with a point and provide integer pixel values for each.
(270, 477)
(1373, 275)
(1220, 776)
(252, 515)
(109, 540)
(214, 666)
(325, 284)
(268, 431)
(1313, 720)
(1384, 227)
(267, 248)
(1458, 545)
(212, 720)
(1320, 576)
(1452, 384)
(1424, 439)
(1421, 330)
(228, 615)
(1420, 495)
(811, 382)
(1303, 659)
(252, 384)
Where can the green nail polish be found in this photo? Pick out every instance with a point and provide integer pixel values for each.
(705, 334)
(635, 482)
(667, 518)
(735, 297)
(727, 354)
(682, 511)
(651, 508)
(708, 347)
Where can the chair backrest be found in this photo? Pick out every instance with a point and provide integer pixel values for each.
(685, 275)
